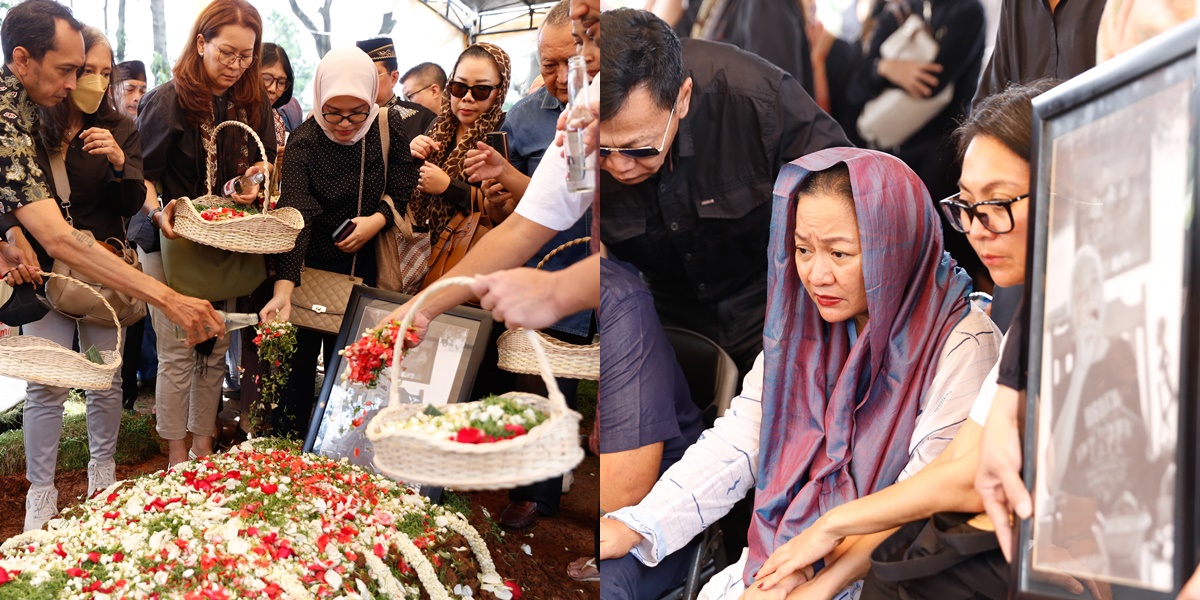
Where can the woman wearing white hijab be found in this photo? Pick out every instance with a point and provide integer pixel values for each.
(333, 172)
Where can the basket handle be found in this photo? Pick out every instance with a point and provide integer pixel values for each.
(555, 395)
(575, 242)
(92, 291)
(262, 151)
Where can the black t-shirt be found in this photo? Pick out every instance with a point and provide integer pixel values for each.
(1014, 361)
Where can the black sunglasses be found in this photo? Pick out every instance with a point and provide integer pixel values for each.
(643, 151)
(479, 92)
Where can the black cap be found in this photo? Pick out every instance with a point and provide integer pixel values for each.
(378, 48)
(131, 69)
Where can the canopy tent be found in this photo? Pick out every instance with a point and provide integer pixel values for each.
(490, 17)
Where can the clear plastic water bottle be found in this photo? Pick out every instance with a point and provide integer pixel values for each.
(238, 184)
(581, 166)
(232, 321)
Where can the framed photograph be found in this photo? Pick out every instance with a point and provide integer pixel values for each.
(440, 371)
(1109, 447)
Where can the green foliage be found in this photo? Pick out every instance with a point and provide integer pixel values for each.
(283, 29)
(456, 503)
(136, 442)
(22, 588)
(161, 68)
(586, 395)
(11, 419)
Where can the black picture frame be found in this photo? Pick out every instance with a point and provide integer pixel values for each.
(441, 370)
(1110, 418)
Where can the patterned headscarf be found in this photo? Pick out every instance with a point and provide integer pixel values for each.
(837, 419)
(433, 208)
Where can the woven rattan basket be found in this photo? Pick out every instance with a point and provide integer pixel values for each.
(570, 361)
(548, 450)
(269, 232)
(42, 361)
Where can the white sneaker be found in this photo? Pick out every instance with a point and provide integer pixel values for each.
(41, 504)
(568, 481)
(100, 476)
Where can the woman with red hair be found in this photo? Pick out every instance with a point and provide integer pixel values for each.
(216, 78)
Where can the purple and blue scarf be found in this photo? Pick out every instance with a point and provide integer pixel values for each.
(837, 420)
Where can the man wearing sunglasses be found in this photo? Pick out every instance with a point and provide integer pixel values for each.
(692, 137)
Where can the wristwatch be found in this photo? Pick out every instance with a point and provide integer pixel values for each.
(152, 213)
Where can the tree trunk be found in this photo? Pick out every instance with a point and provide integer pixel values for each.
(320, 36)
(121, 31)
(161, 64)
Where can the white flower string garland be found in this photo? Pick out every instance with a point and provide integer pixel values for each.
(261, 521)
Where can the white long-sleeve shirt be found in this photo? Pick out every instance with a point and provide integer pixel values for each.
(722, 466)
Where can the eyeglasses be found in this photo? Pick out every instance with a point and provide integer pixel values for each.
(231, 59)
(281, 82)
(995, 215)
(644, 151)
(333, 118)
(408, 97)
(479, 92)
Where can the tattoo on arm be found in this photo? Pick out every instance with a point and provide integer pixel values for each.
(83, 238)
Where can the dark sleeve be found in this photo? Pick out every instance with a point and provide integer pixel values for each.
(1012, 363)
(998, 72)
(295, 191)
(639, 383)
(958, 48)
(865, 82)
(803, 127)
(402, 170)
(159, 130)
(7, 221)
(774, 30)
(266, 133)
(458, 195)
(515, 158)
(129, 192)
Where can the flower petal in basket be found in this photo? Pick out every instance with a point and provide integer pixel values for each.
(271, 232)
(548, 450)
(265, 233)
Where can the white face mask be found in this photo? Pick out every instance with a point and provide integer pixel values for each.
(89, 92)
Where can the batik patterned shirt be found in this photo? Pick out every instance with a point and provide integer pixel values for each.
(24, 179)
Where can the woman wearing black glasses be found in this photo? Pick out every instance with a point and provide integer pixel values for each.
(333, 173)
(472, 107)
(277, 77)
(216, 79)
(992, 209)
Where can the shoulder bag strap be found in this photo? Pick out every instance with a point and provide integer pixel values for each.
(362, 171)
(403, 222)
(62, 184)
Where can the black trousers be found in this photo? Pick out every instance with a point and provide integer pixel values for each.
(294, 413)
(548, 493)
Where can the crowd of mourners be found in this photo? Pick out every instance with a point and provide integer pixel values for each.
(849, 224)
(94, 156)
(752, 193)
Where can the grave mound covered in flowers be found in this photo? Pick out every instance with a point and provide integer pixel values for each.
(260, 521)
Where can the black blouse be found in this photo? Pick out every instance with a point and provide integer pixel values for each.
(98, 198)
(321, 180)
(174, 155)
(958, 27)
